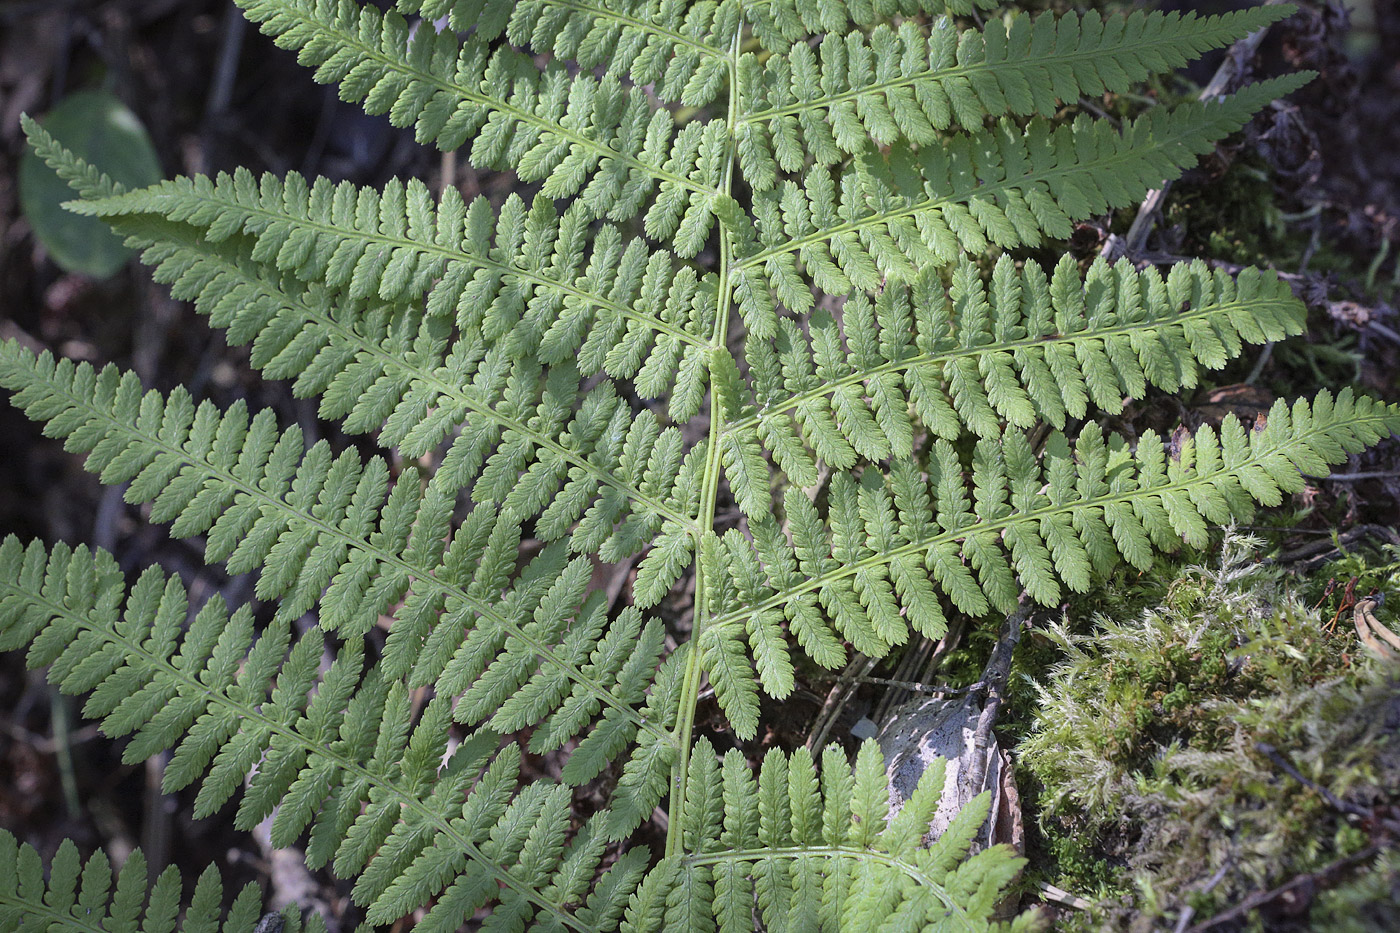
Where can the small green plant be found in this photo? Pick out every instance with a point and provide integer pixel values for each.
(98, 126)
(758, 221)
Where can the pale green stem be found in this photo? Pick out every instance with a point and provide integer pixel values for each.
(709, 491)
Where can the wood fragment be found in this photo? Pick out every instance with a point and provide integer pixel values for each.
(1378, 639)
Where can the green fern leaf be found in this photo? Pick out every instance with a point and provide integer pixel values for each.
(740, 329)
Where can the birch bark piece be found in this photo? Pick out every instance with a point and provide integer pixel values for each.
(928, 728)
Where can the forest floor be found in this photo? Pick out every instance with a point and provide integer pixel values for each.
(1311, 189)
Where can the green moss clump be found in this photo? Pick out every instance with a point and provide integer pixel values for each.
(1155, 793)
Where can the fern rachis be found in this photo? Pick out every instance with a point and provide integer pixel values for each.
(865, 392)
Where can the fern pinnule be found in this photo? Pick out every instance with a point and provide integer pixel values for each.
(905, 83)
(890, 216)
(680, 52)
(876, 566)
(1019, 350)
(781, 23)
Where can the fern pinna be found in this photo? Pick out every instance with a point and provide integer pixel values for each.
(788, 227)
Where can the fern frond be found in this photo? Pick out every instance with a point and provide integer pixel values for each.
(567, 368)
(890, 548)
(598, 141)
(629, 314)
(646, 775)
(395, 370)
(87, 180)
(337, 754)
(524, 277)
(901, 84)
(1019, 350)
(463, 620)
(80, 896)
(887, 218)
(780, 850)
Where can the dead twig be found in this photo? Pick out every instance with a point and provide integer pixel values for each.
(837, 698)
(994, 678)
(1188, 912)
(1286, 766)
(913, 686)
(230, 45)
(1308, 557)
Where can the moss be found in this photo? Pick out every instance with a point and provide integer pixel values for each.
(1372, 571)
(1363, 904)
(1233, 217)
(1154, 793)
